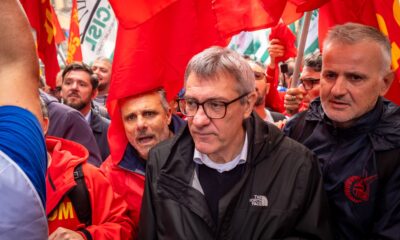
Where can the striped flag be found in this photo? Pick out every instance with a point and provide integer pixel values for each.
(98, 29)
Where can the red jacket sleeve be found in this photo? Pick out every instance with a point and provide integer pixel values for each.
(110, 218)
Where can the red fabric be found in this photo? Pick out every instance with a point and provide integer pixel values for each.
(39, 15)
(109, 211)
(128, 185)
(341, 11)
(290, 13)
(74, 53)
(155, 54)
(388, 15)
(273, 99)
(308, 5)
(132, 13)
(287, 39)
(58, 32)
(234, 16)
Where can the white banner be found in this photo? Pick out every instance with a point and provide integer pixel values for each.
(98, 29)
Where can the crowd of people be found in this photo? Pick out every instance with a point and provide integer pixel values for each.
(240, 160)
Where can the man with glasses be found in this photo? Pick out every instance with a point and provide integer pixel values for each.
(228, 174)
(262, 89)
(298, 99)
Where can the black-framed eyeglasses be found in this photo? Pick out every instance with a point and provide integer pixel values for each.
(308, 83)
(214, 109)
(259, 75)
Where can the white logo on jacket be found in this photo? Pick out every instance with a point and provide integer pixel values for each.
(259, 201)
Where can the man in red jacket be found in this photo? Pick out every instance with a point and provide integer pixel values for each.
(109, 215)
(146, 121)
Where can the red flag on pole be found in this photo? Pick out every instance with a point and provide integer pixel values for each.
(74, 53)
(40, 18)
(58, 32)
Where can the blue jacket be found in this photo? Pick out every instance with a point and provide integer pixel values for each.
(365, 204)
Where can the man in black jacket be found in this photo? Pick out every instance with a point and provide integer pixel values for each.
(228, 174)
(356, 133)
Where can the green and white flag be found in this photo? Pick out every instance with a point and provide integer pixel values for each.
(98, 29)
(255, 44)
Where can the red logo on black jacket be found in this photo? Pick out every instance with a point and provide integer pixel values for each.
(357, 188)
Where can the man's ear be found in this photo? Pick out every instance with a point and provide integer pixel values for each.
(169, 115)
(387, 81)
(45, 125)
(249, 105)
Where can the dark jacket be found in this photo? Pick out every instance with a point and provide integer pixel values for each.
(279, 196)
(365, 203)
(99, 126)
(68, 123)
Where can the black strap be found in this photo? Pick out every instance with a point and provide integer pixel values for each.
(86, 233)
(79, 196)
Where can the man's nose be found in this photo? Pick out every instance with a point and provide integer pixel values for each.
(201, 118)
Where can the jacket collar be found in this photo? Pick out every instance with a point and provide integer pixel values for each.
(381, 123)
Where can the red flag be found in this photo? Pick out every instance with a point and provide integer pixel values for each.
(74, 53)
(131, 13)
(40, 18)
(341, 11)
(388, 17)
(294, 9)
(58, 32)
(155, 54)
(235, 16)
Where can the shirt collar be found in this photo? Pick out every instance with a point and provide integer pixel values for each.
(241, 158)
(88, 116)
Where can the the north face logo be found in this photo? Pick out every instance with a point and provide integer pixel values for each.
(259, 201)
(357, 188)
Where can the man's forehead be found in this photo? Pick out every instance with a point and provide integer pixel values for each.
(102, 63)
(142, 101)
(77, 74)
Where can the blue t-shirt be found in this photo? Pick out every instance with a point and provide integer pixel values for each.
(22, 140)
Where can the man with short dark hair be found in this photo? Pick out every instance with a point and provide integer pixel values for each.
(355, 133)
(78, 89)
(229, 174)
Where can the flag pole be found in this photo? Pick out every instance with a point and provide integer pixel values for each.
(300, 52)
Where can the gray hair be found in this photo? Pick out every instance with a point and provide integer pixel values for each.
(352, 33)
(218, 60)
(163, 96)
(103, 59)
